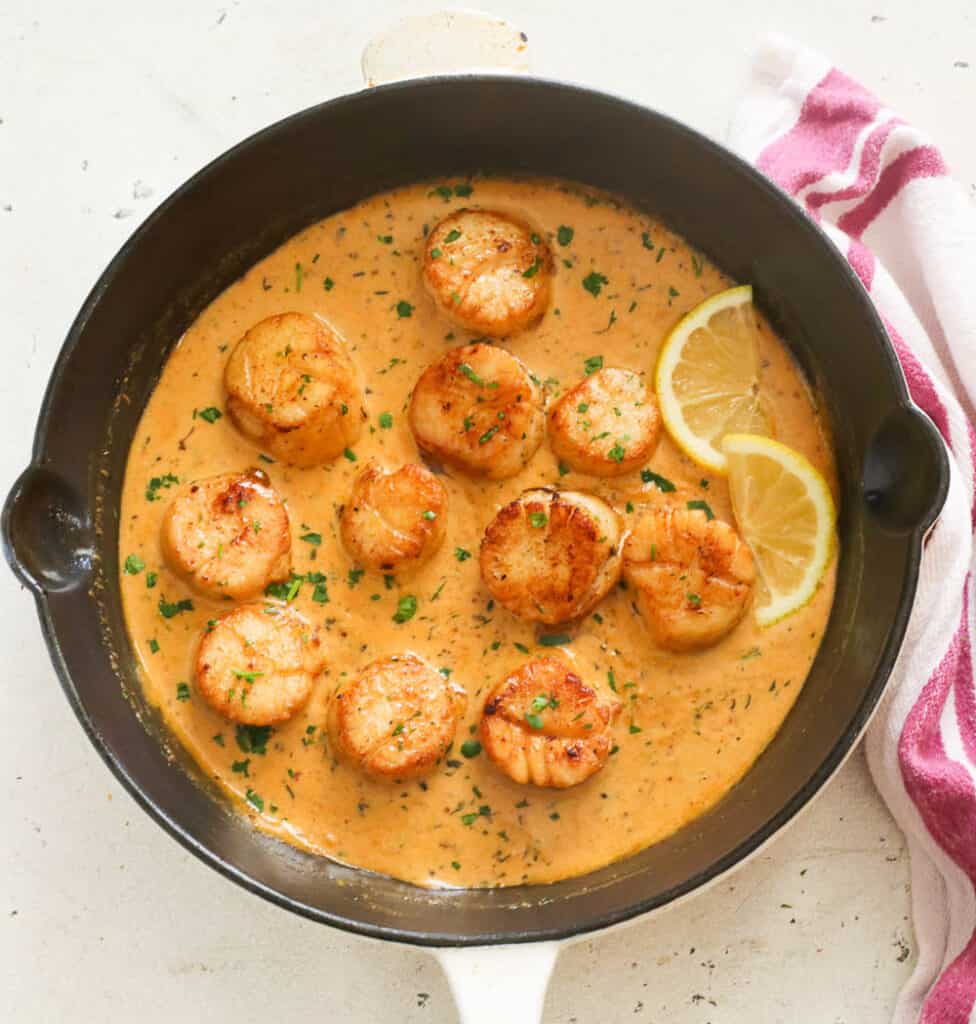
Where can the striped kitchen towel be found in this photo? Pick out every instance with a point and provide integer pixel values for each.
(884, 196)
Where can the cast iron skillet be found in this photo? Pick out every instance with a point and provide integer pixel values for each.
(60, 523)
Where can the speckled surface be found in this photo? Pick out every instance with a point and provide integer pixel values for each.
(105, 110)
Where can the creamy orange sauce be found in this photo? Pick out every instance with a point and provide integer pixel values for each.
(692, 724)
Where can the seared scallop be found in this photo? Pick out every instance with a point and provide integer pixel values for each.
(228, 535)
(258, 664)
(394, 520)
(692, 576)
(488, 271)
(397, 717)
(607, 425)
(550, 556)
(544, 725)
(294, 391)
(479, 409)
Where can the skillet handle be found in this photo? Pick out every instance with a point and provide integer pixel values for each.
(48, 538)
(906, 472)
(499, 983)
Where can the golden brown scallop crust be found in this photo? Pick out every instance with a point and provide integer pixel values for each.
(394, 520)
(692, 577)
(550, 556)
(293, 389)
(228, 535)
(607, 425)
(257, 664)
(488, 272)
(543, 725)
(478, 409)
(397, 718)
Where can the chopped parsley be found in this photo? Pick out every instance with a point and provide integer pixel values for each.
(247, 677)
(158, 482)
(488, 434)
(151, 578)
(386, 420)
(154, 645)
(253, 739)
(349, 454)
(404, 309)
(429, 516)
(211, 414)
(182, 691)
(534, 720)
(463, 190)
(168, 610)
(538, 519)
(255, 801)
(315, 539)
(533, 269)
(385, 239)
(646, 241)
(702, 506)
(594, 282)
(554, 640)
(328, 284)
(694, 600)
(617, 453)
(470, 748)
(452, 236)
(354, 576)
(660, 482)
(564, 234)
(593, 364)
(461, 554)
(134, 565)
(406, 608)
(475, 379)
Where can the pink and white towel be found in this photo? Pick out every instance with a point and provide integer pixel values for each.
(884, 196)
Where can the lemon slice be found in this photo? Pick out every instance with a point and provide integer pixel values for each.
(786, 514)
(707, 377)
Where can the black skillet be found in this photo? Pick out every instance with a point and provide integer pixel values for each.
(60, 522)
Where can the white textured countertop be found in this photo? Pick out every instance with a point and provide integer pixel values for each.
(105, 110)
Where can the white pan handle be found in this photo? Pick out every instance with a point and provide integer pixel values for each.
(443, 43)
(493, 984)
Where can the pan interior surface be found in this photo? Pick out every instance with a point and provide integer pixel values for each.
(324, 160)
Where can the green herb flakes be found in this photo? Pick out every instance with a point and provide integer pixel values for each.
(406, 609)
(661, 483)
(702, 506)
(594, 282)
